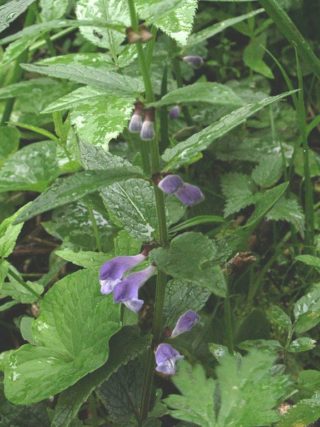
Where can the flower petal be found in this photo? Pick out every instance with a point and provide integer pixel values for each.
(166, 357)
(185, 323)
(189, 194)
(170, 184)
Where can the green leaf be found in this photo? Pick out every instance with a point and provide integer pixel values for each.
(111, 11)
(86, 259)
(174, 17)
(190, 258)
(236, 188)
(11, 10)
(89, 118)
(112, 83)
(182, 296)
(185, 152)
(310, 260)
(302, 344)
(9, 142)
(124, 244)
(53, 9)
(31, 168)
(278, 317)
(197, 220)
(307, 310)
(196, 402)
(9, 234)
(269, 171)
(304, 413)
(214, 29)
(132, 205)
(288, 209)
(96, 157)
(74, 187)
(71, 336)
(253, 56)
(205, 92)
(23, 292)
(124, 346)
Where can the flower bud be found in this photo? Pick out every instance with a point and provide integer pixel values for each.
(174, 112)
(135, 124)
(194, 60)
(170, 184)
(132, 36)
(189, 194)
(185, 323)
(147, 131)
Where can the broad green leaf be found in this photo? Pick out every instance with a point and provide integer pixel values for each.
(102, 118)
(206, 92)
(25, 88)
(111, 11)
(190, 258)
(124, 346)
(268, 171)
(288, 209)
(132, 205)
(302, 344)
(237, 189)
(11, 10)
(111, 82)
(71, 336)
(253, 56)
(125, 244)
(174, 17)
(19, 290)
(278, 317)
(74, 187)
(9, 234)
(307, 310)
(182, 296)
(15, 49)
(91, 59)
(96, 157)
(31, 168)
(309, 382)
(53, 9)
(87, 259)
(214, 29)
(9, 138)
(304, 413)
(185, 152)
(310, 260)
(249, 391)
(195, 404)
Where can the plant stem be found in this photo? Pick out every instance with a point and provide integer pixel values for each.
(94, 228)
(163, 231)
(228, 321)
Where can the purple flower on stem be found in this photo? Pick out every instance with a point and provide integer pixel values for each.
(166, 357)
(174, 112)
(135, 123)
(194, 60)
(112, 271)
(170, 184)
(189, 194)
(147, 130)
(185, 323)
(127, 291)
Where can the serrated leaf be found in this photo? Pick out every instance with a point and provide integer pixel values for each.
(125, 244)
(288, 209)
(214, 29)
(109, 81)
(31, 168)
(132, 203)
(96, 157)
(71, 336)
(236, 188)
(268, 171)
(182, 296)
(303, 413)
(11, 10)
(124, 346)
(204, 92)
(74, 187)
(190, 257)
(307, 310)
(53, 9)
(301, 344)
(86, 259)
(174, 17)
(102, 118)
(111, 11)
(185, 152)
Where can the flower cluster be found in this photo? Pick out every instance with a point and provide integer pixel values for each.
(188, 194)
(142, 122)
(125, 288)
(166, 356)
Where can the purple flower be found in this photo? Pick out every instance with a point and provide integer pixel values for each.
(170, 184)
(174, 112)
(166, 357)
(147, 130)
(112, 271)
(135, 123)
(189, 194)
(185, 323)
(194, 60)
(127, 291)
